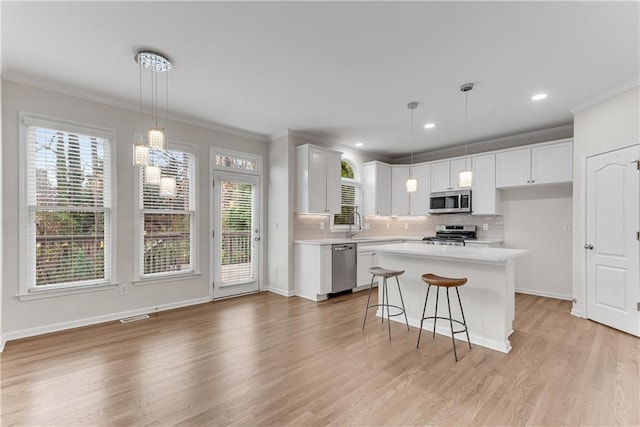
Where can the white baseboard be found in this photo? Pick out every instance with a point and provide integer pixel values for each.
(544, 294)
(442, 330)
(280, 291)
(24, 333)
(577, 313)
(2, 343)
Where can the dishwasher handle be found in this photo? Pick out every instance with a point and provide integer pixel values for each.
(342, 248)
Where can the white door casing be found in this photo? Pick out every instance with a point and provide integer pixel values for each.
(612, 249)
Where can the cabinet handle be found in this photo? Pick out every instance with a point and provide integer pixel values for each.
(588, 246)
(533, 180)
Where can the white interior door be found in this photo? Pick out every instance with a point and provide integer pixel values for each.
(612, 249)
(236, 234)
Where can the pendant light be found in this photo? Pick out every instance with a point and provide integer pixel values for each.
(411, 183)
(465, 179)
(147, 155)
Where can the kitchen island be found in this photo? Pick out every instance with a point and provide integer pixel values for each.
(488, 298)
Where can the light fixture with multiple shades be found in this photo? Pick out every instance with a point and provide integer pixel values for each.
(465, 179)
(411, 183)
(146, 155)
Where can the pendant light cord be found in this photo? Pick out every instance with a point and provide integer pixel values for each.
(412, 136)
(466, 122)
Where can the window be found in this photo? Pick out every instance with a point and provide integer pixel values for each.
(350, 198)
(68, 205)
(167, 224)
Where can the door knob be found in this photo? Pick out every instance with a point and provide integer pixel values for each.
(256, 239)
(588, 246)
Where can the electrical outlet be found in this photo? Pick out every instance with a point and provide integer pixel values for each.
(485, 227)
(367, 226)
(322, 226)
(566, 227)
(124, 289)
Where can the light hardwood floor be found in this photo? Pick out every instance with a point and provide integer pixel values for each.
(268, 360)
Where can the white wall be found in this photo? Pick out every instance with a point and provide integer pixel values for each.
(534, 219)
(23, 318)
(280, 219)
(610, 123)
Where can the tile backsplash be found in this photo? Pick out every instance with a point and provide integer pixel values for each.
(317, 226)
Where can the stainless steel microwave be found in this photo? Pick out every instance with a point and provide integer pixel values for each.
(448, 202)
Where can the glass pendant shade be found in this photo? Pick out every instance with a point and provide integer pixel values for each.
(167, 186)
(140, 155)
(465, 179)
(411, 184)
(152, 175)
(157, 139)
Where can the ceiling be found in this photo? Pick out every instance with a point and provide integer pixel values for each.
(343, 71)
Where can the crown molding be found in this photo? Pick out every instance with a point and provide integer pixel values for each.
(69, 91)
(606, 95)
(537, 136)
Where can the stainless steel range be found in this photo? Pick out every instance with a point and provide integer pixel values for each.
(452, 235)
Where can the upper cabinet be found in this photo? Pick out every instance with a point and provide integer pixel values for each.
(376, 180)
(549, 163)
(419, 201)
(318, 183)
(399, 197)
(444, 175)
(485, 199)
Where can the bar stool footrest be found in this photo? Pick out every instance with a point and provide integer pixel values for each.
(401, 312)
(447, 319)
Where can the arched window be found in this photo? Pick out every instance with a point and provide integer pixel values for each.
(350, 199)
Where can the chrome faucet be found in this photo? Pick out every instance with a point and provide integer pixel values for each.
(350, 233)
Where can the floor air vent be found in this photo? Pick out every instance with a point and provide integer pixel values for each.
(134, 318)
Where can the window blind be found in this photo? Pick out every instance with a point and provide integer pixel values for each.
(167, 223)
(69, 200)
(236, 215)
(350, 202)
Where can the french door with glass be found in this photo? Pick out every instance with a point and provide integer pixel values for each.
(236, 234)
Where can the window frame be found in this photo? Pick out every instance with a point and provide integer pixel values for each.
(357, 184)
(26, 289)
(140, 278)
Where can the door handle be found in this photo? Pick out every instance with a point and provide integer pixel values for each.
(256, 239)
(588, 246)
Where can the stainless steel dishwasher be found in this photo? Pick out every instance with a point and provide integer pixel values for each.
(343, 267)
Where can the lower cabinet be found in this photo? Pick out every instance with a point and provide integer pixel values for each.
(367, 258)
(312, 275)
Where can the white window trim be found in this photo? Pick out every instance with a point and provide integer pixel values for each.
(25, 293)
(141, 279)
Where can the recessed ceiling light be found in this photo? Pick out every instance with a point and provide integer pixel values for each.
(429, 125)
(539, 97)
(359, 144)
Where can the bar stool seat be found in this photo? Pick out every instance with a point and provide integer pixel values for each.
(385, 274)
(445, 282)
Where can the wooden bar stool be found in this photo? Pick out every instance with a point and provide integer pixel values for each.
(384, 273)
(447, 282)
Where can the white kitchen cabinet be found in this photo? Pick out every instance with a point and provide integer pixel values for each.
(399, 197)
(319, 178)
(441, 176)
(444, 175)
(312, 271)
(376, 182)
(549, 163)
(485, 198)
(366, 260)
(419, 201)
(552, 163)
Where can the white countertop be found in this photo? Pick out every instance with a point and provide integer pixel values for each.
(460, 253)
(360, 240)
